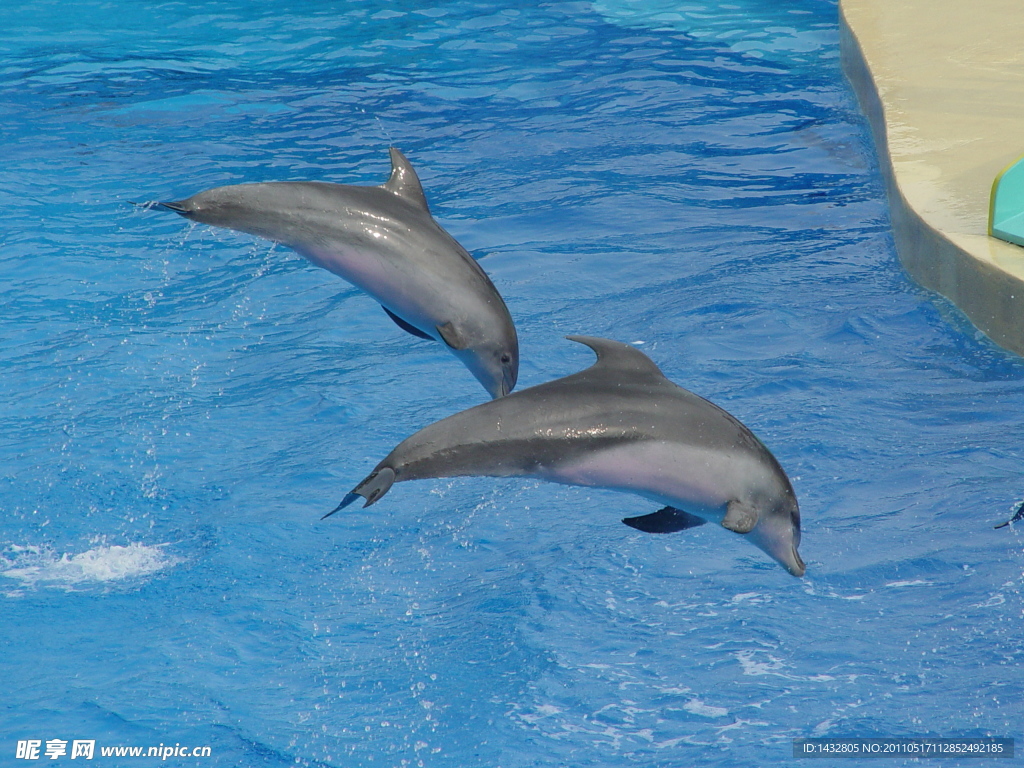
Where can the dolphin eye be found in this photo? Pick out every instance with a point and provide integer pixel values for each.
(506, 358)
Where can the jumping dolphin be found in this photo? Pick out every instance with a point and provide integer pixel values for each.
(619, 424)
(384, 241)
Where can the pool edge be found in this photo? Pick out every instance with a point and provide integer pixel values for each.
(981, 275)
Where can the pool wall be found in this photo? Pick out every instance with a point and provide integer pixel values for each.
(940, 82)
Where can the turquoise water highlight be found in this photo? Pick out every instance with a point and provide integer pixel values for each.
(180, 405)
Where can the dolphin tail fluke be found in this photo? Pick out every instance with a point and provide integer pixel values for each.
(175, 206)
(371, 489)
(157, 205)
(349, 498)
(1018, 515)
(666, 520)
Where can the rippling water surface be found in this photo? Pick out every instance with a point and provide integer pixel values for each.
(180, 405)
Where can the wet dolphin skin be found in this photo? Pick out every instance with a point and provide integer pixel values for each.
(383, 240)
(619, 424)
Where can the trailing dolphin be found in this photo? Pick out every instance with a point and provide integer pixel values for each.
(619, 424)
(383, 240)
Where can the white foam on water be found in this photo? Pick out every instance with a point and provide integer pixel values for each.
(913, 583)
(996, 600)
(757, 663)
(809, 588)
(698, 707)
(751, 597)
(105, 564)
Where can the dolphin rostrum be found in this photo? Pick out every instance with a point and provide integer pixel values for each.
(619, 424)
(383, 240)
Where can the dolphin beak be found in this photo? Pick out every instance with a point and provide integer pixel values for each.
(498, 388)
(507, 383)
(794, 564)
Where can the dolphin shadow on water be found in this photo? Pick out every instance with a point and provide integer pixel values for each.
(619, 424)
(384, 241)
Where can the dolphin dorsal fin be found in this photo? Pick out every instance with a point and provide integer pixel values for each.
(614, 355)
(404, 182)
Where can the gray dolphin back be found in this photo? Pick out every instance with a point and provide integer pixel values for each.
(619, 424)
(622, 398)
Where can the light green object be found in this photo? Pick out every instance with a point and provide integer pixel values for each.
(1006, 208)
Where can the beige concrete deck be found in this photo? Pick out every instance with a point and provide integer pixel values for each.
(942, 84)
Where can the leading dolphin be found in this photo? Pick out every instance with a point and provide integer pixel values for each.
(383, 240)
(619, 424)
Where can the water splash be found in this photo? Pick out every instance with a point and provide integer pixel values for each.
(35, 566)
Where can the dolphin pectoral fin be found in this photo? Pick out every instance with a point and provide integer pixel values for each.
(451, 336)
(1018, 515)
(665, 520)
(739, 517)
(371, 489)
(407, 327)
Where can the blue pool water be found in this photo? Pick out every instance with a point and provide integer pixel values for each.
(180, 405)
